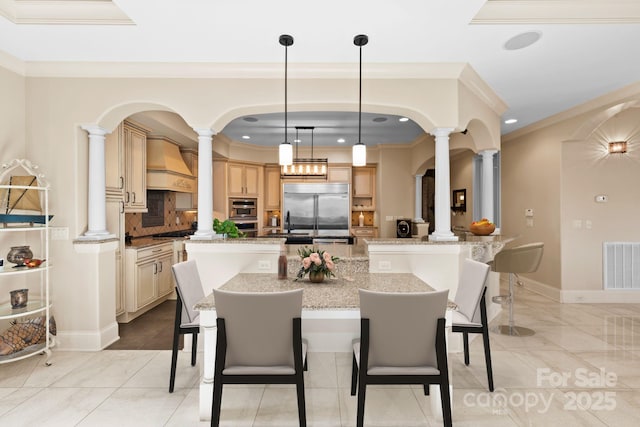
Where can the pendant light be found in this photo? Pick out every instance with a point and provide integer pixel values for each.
(285, 151)
(359, 155)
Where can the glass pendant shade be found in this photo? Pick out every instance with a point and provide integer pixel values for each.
(285, 153)
(359, 155)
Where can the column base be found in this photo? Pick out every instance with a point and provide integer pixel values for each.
(96, 235)
(435, 237)
(204, 235)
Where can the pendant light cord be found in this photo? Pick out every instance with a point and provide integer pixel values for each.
(360, 102)
(286, 49)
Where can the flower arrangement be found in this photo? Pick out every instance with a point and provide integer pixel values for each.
(315, 260)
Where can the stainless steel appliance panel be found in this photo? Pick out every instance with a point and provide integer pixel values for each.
(319, 209)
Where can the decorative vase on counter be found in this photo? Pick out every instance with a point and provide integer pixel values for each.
(17, 254)
(316, 276)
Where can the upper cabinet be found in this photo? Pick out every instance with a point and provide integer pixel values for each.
(272, 188)
(189, 201)
(244, 180)
(126, 160)
(364, 188)
(339, 174)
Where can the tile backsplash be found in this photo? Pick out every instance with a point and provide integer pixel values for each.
(133, 221)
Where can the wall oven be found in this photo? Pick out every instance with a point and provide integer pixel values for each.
(244, 213)
(243, 208)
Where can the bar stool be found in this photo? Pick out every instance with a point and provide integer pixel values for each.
(521, 259)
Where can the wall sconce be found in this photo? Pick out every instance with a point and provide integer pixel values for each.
(618, 147)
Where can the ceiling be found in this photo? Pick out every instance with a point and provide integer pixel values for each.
(586, 48)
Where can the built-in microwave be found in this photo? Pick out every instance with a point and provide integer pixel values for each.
(243, 208)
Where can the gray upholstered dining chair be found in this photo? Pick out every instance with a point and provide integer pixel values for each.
(471, 314)
(187, 320)
(259, 341)
(402, 341)
(521, 259)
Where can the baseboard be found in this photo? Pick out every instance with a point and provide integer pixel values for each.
(611, 296)
(583, 296)
(87, 341)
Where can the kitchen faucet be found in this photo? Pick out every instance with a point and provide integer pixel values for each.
(288, 220)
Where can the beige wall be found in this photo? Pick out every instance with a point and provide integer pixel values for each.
(556, 168)
(12, 115)
(588, 170)
(396, 189)
(462, 178)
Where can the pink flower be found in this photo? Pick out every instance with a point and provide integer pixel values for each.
(330, 265)
(315, 258)
(327, 257)
(306, 262)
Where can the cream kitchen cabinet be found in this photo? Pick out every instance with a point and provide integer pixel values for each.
(126, 165)
(364, 188)
(148, 278)
(189, 201)
(339, 174)
(243, 180)
(115, 225)
(272, 188)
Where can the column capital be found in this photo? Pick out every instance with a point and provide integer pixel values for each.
(440, 132)
(95, 129)
(204, 132)
(486, 153)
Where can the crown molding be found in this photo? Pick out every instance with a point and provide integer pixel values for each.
(63, 12)
(558, 12)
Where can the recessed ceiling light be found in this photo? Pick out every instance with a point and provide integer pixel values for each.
(379, 119)
(522, 40)
(403, 119)
(246, 137)
(510, 121)
(341, 140)
(250, 119)
(297, 140)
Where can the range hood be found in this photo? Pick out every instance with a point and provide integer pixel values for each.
(166, 169)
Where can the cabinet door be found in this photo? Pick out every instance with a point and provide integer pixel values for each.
(115, 225)
(163, 274)
(251, 180)
(145, 286)
(114, 161)
(272, 188)
(363, 182)
(136, 176)
(236, 179)
(194, 171)
(339, 174)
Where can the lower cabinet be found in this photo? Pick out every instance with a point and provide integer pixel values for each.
(148, 278)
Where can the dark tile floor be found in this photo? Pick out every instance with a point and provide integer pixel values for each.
(151, 331)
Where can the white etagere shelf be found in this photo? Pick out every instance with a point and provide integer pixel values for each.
(39, 303)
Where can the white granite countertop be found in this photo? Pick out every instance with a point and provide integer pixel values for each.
(333, 293)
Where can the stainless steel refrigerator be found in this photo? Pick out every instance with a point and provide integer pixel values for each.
(316, 209)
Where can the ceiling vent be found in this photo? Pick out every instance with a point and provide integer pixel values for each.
(166, 169)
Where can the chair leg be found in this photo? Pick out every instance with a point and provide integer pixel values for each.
(354, 376)
(302, 415)
(362, 391)
(426, 389)
(465, 341)
(487, 355)
(174, 348)
(194, 348)
(217, 402)
(446, 404)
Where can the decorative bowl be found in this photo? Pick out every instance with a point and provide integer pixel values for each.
(482, 229)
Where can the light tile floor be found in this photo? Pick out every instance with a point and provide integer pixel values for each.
(581, 368)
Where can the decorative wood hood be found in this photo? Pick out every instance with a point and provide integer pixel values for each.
(166, 169)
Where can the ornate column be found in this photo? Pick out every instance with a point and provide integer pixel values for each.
(205, 185)
(487, 185)
(97, 205)
(443, 187)
(417, 217)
